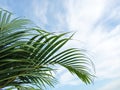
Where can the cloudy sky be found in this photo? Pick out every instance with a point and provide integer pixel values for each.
(97, 27)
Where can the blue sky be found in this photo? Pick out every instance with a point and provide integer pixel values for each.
(97, 27)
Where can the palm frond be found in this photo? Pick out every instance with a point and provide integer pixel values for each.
(27, 54)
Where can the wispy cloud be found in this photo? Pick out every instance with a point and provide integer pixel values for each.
(40, 10)
(66, 78)
(98, 29)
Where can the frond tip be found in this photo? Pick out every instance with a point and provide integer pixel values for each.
(77, 63)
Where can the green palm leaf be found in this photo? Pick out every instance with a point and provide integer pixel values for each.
(29, 59)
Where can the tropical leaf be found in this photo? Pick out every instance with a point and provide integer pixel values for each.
(28, 55)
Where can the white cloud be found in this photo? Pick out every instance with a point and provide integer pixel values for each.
(68, 79)
(107, 51)
(65, 77)
(61, 22)
(40, 10)
(83, 16)
(100, 42)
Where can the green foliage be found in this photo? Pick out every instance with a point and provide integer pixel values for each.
(28, 54)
